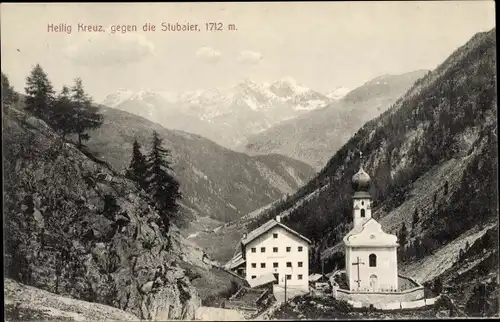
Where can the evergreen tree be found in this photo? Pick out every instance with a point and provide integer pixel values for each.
(403, 234)
(63, 113)
(85, 115)
(478, 303)
(438, 286)
(9, 96)
(162, 186)
(137, 170)
(39, 93)
(415, 218)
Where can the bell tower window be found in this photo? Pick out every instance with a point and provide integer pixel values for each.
(362, 213)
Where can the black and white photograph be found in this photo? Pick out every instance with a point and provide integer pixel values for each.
(226, 161)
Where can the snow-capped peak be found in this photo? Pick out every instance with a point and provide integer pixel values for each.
(338, 92)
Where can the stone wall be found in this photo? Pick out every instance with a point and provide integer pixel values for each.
(381, 297)
(397, 305)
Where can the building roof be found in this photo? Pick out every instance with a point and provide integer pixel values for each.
(265, 228)
(262, 280)
(315, 277)
(235, 262)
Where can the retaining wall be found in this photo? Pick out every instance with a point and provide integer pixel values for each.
(396, 305)
(381, 297)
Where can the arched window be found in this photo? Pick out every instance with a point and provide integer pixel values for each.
(373, 260)
(362, 213)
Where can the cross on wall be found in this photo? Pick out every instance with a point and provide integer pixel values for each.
(358, 263)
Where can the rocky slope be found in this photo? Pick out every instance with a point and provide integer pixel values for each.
(434, 153)
(227, 116)
(315, 136)
(215, 181)
(77, 228)
(24, 303)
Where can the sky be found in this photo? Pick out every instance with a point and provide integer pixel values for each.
(322, 45)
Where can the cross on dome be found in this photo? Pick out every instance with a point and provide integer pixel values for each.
(361, 180)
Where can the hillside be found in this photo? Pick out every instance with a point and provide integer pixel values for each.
(215, 181)
(315, 136)
(433, 153)
(77, 228)
(227, 116)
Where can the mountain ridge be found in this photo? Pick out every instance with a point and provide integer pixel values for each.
(216, 181)
(224, 115)
(312, 137)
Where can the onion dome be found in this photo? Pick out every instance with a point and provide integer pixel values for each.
(361, 181)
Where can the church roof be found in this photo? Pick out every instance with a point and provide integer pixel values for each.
(370, 233)
(361, 180)
(265, 228)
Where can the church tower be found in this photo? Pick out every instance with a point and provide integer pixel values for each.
(361, 199)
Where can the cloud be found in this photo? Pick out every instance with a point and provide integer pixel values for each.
(208, 54)
(249, 57)
(104, 49)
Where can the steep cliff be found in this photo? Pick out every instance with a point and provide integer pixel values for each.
(76, 228)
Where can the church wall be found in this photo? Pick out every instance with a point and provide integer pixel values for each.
(386, 271)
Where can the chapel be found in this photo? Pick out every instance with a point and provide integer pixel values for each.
(370, 253)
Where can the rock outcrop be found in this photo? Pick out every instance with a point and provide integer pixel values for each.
(75, 227)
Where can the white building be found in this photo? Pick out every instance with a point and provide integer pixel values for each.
(275, 248)
(370, 253)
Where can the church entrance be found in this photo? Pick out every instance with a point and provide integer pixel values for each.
(373, 283)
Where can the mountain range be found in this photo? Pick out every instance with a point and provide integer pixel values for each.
(227, 116)
(315, 136)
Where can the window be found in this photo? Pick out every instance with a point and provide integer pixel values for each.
(275, 249)
(275, 235)
(275, 265)
(288, 264)
(288, 249)
(362, 203)
(299, 276)
(362, 213)
(254, 265)
(253, 250)
(373, 260)
(262, 265)
(253, 276)
(262, 249)
(300, 248)
(300, 264)
(288, 277)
